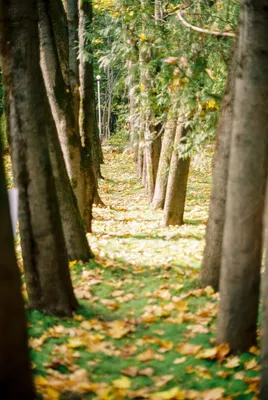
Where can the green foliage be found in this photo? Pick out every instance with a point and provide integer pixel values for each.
(181, 60)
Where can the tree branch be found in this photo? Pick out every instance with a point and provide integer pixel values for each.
(196, 28)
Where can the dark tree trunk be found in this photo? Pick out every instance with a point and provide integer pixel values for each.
(242, 242)
(27, 110)
(15, 368)
(87, 105)
(177, 181)
(165, 157)
(264, 321)
(211, 263)
(62, 108)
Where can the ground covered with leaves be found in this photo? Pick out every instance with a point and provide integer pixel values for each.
(144, 329)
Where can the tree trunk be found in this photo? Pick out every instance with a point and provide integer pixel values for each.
(165, 157)
(63, 112)
(15, 368)
(27, 109)
(242, 242)
(146, 80)
(211, 263)
(87, 105)
(264, 320)
(177, 181)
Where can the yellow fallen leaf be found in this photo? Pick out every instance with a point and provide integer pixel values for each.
(180, 360)
(208, 354)
(76, 342)
(188, 348)
(251, 364)
(213, 394)
(232, 362)
(53, 394)
(122, 383)
(147, 355)
(173, 393)
(41, 381)
(118, 329)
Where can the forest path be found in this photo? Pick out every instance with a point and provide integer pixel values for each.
(130, 230)
(144, 329)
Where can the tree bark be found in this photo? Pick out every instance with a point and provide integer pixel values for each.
(242, 242)
(177, 181)
(15, 368)
(165, 157)
(63, 113)
(87, 106)
(211, 263)
(264, 320)
(146, 78)
(27, 109)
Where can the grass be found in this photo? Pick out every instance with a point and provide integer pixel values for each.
(143, 323)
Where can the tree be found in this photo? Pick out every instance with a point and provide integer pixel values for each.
(177, 179)
(29, 119)
(54, 37)
(211, 263)
(242, 242)
(55, 72)
(15, 370)
(165, 157)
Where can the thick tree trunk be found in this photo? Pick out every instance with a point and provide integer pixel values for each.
(165, 157)
(177, 181)
(211, 263)
(27, 109)
(63, 112)
(242, 242)
(264, 321)
(15, 368)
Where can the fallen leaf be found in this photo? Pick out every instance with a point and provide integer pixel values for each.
(188, 348)
(122, 383)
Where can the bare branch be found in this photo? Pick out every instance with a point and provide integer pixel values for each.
(196, 28)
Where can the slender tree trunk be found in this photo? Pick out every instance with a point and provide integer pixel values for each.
(211, 263)
(165, 157)
(15, 368)
(27, 109)
(146, 80)
(87, 105)
(242, 242)
(133, 111)
(177, 181)
(63, 112)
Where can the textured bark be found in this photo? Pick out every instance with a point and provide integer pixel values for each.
(63, 113)
(165, 157)
(87, 105)
(211, 263)
(177, 181)
(264, 322)
(15, 368)
(27, 110)
(242, 242)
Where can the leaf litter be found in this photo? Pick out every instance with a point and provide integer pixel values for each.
(144, 329)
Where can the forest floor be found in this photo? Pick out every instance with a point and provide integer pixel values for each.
(144, 329)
